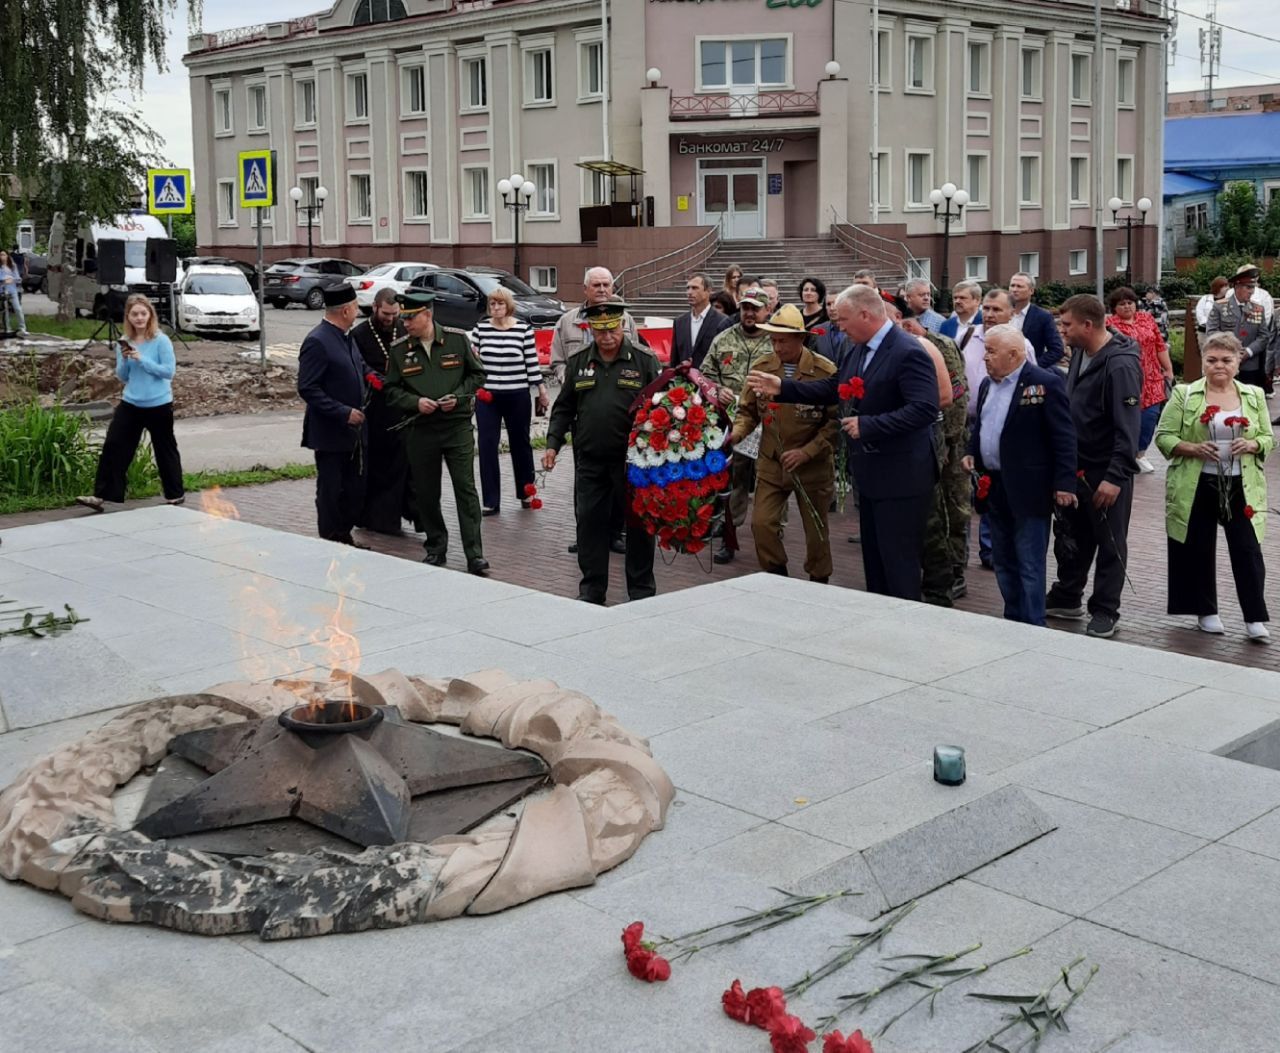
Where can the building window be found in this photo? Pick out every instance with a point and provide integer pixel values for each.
(308, 185)
(975, 267)
(475, 83)
(544, 279)
(413, 90)
(1028, 181)
(920, 269)
(1122, 259)
(1032, 67)
(1196, 217)
(977, 183)
(1078, 261)
(919, 178)
(1080, 78)
(1079, 180)
(728, 64)
(368, 11)
(475, 183)
(880, 175)
(595, 188)
(257, 108)
(919, 63)
(226, 202)
(590, 69)
(979, 68)
(1124, 179)
(1029, 263)
(882, 75)
(539, 78)
(1126, 76)
(306, 102)
(222, 112)
(544, 200)
(360, 199)
(357, 97)
(416, 201)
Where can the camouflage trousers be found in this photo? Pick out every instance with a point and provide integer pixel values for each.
(945, 537)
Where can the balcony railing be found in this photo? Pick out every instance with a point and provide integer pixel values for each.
(755, 104)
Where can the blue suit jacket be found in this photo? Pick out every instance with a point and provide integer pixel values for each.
(1037, 445)
(894, 457)
(331, 383)
(1040, 328)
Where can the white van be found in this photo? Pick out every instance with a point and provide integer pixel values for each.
(87, 294)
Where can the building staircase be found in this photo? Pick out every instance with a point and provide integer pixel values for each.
(786, 260)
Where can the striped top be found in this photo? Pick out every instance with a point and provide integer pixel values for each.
(509, 356)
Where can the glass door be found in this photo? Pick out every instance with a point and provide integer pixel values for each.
(732, 197)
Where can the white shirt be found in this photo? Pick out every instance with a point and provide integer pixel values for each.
(873, 345)
(975, 369)
(695, 324)
(995, 411)
(1019, 317)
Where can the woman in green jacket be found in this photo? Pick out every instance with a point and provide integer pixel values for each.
(1215, 433)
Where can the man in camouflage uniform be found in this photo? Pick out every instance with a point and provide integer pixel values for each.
(733, 354)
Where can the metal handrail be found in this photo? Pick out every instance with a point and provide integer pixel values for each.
(862, 243)
(689, 107)
(650, 274)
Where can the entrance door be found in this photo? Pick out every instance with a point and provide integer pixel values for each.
(733, 197)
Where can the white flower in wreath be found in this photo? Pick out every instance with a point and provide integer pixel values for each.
(697, 399)
(648, 426)
(653, 458)
(713, 437)
(673, 435)
(698, 451)
(657, 398)
(678, 413)
(674, 455)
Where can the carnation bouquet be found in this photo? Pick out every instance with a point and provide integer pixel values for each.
(674, 460)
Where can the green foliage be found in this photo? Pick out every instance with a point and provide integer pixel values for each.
(184, 233)
(1055, 293)
(1177, 349)
(1238, 227)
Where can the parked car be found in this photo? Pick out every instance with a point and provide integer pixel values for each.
(462, 296)
(249, 271)
(37, 271)
(395, 276)
(305, 280)
(217, 299)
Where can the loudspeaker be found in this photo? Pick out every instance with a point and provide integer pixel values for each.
(111, 261)
(162, 260)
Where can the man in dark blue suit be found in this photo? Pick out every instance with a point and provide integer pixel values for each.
(890, 434)
(331, 383)
(1036, 323)
(1023, 445)
(693, 331)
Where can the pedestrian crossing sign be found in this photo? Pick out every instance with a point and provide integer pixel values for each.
(257, 179)
(169, 191)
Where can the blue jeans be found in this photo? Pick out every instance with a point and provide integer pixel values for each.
(1019, 550)
(10, 293)
(1147, 429)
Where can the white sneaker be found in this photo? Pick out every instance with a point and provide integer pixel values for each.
(1145, 466)
(1257, 631)
(1212, 623)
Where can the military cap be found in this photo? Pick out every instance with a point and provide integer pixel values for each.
(1248, 272)
(415, 300)
(754, 298)
(339, 295)
(605, 315)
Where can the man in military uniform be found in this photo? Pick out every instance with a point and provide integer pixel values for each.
(797, 449)
(433, 378)
(1240, 314)
(594, 405)
(386, 497)
(733, 354)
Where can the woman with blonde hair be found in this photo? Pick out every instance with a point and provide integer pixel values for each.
(1216, 433)
(145, 364)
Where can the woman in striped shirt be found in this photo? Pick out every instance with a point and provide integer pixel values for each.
(506, 349)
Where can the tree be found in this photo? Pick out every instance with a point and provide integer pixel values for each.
(61, 133)
(184, 232)
(1238, 227)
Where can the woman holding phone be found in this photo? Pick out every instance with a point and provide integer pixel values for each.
(145, 364)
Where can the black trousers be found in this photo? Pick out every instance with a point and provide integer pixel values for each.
(515, 410)
(1083, 532)
(600, 498)
(340, 485)
(118, 448)
(386, 493)
(893, 543)
(1193, 578)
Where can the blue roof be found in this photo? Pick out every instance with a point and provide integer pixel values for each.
(1177, 184)
(1212, 143)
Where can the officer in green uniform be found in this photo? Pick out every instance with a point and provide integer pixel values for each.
(433, 378)
(594, 405)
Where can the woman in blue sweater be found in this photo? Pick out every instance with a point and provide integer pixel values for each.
(145, 364)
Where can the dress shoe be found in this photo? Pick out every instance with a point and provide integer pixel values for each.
(176, 500)
(478, 566)
(821, 581)
(435, 559)
(488, 511)
(855, 539)
(90, 502)
(723, 555)
(619, 545)
(573, 547)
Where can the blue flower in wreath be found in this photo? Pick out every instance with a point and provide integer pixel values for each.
(696, 470)
(637, 476)
(715, 461)
(675, 472)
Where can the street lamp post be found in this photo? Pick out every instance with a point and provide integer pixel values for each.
(516, 192)
(311, 209)
(1144, 206)
(942, 199)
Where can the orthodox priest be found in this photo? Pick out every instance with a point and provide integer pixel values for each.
(387, 497)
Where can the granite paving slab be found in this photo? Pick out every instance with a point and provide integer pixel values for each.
(27, 913)
(1262, 836)
(655, 647)
(49, 1016)
(1207, 719)
(51, 535)
(775, 854)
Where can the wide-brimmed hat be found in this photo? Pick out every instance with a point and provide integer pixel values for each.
(786, 319)
(1245, 272)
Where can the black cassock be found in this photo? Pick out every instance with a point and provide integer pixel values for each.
(387, 497)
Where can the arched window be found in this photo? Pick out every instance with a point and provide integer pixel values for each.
(369, 11)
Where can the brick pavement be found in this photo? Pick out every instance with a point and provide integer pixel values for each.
(529, 548)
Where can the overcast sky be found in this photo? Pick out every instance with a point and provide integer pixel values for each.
(166, 105)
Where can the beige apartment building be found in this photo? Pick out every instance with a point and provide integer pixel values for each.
(753, 118)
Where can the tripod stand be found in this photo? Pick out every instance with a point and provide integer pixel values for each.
(113, 332)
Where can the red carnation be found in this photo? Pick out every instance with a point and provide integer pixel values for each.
(530, 489)
(775, 406)
(373, 380)
(984, 486)
(647, 966)
(1248, 511)
(642, 415)
(1080, 474)
(789, 1034)
(536, 503)
(678, 395)
(632, 936)
(660, 418)
(694, 547)
(855, 1043)
(1209, 413)
(856, 387)
(734, 1001)
(484, 395)
(764, 1006)
(658, 440)
(696, 415)
(819, 331)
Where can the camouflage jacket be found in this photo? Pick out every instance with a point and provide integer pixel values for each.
(733, 354)
(955, 416)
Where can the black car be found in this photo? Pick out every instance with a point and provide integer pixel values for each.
(462, 296)
(304, 281)
(37, 269)
(247, 269)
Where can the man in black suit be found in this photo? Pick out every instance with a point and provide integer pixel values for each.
(889, 428)
(1036, 323)
(331, 383)
(693, 332)
(1023, 445)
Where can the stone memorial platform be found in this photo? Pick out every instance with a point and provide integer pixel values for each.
(1118, 806)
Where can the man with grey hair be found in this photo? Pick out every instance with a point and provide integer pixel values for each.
(1036, 323)
(770, 287)
(966, 313)
(572, 333)
(867, 278)
(919, 297)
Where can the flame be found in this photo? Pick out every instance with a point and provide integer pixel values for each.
(262, 619)
(342, 648)
(213, 503)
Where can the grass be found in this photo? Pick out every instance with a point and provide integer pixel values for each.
(78, 328)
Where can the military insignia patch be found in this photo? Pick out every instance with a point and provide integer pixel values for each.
(1132, 400)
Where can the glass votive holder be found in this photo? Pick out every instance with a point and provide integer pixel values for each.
(948, 765)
